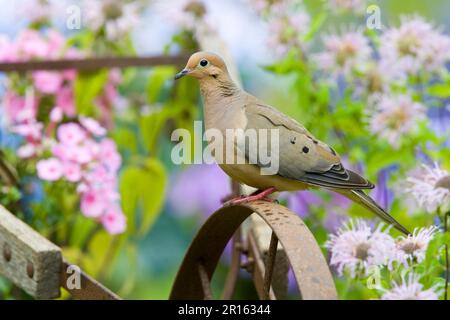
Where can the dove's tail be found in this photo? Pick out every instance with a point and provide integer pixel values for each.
(367, 202)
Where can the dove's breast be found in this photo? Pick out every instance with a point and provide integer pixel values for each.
(250, 175)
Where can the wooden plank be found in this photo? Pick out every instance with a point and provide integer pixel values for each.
(28, 259)
(92, 64)
(87, 289)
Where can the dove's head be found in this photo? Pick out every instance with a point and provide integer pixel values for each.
(203, 65)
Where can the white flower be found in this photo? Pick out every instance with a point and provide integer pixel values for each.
(356, 6)
(414, 246)
(272, 7)
(36, 11)
(393, 116)
(412, 47)
(117, 17)
(184, 14)
(286, 31)
(357, 248)
(430, 187)
(344, 53)
(26, 151)
(288, 22)
(411, 289)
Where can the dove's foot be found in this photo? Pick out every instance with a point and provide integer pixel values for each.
(261, 195)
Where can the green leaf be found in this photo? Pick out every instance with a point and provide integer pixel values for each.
(88, 85)
(156, 82)
(130, 195)
(439, 90)
(152, 191)
(151, 125)
(125, 139)
(316, 24)
(292, 62)
(142, 189)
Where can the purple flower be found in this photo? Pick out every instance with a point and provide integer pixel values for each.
(300, 202)
(199, 189)
(382, 194)
(410, 289)
(357, 247)
(336, 212)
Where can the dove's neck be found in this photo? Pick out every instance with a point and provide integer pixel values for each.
(216, 89)
(221, 98)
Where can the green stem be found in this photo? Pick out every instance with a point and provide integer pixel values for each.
(89, 237)
(8, 172)
(109, 257)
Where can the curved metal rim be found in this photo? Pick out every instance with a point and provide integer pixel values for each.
(310, 268)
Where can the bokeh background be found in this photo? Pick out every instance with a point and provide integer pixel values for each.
(164, 204)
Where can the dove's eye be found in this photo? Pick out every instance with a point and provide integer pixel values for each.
(204, 62)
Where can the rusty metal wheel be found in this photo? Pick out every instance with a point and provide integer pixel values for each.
(313, 277)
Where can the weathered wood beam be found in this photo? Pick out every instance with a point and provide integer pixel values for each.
(81, 286)
(28, 259)
(92, 64)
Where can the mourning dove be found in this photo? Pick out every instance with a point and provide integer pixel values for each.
(304, 161)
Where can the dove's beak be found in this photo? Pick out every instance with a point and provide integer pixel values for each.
(182, 73)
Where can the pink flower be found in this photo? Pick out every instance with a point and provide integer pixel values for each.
(429, 186)
(56, 115)
(47, 82)
(69, 74)
(80, 154)
(109, 154)
(92, 204)
(30, 44)
(410, 289)
(344, 54)
(414, 246)
(75, 153)
(26, 151)
(286, 31)
(70, 134)
(61, 151)
(72, 171)
(55, 42)
(49, 169)
(356, 6)
(18, 108)
(97, 174)
(357, 248)
(31, 131)
(93, 126)
(393, 117)
(82, 187)
(414, 46)
(64, 100)
(7, 50)
(114, 221)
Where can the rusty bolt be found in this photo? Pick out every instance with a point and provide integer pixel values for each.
(7, 252)
(239, 246)
(30, 269)
(248, 265)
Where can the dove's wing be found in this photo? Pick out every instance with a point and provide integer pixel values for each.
(301, 156)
